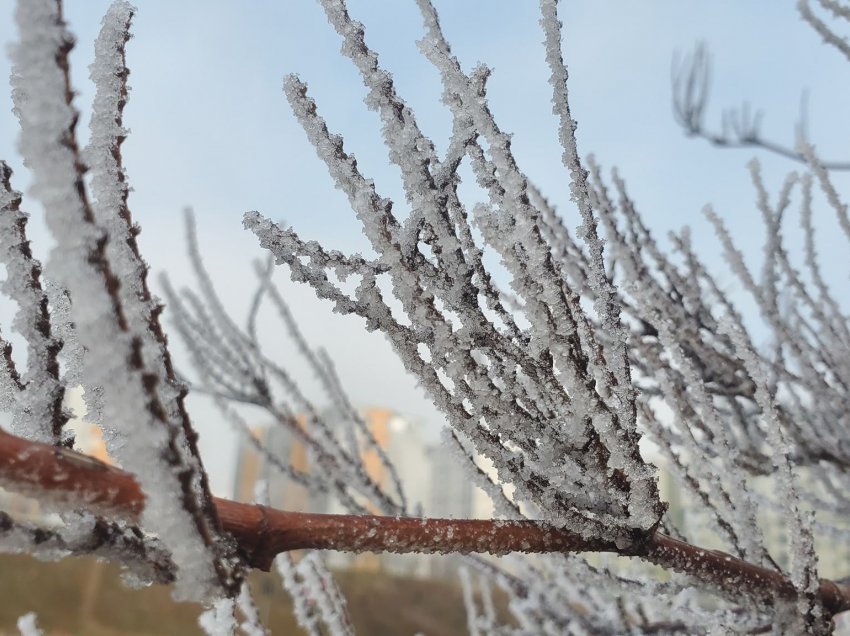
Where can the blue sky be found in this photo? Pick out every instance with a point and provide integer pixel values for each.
(211, 129)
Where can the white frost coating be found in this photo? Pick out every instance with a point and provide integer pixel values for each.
(77, 263)
(36, 405)
(319, 607)
(606, 304)
(110, 190)
(469, 384)
(220, 619)
(728, 486)
(72, 354)
(108, 181)
(535, 384)
(472, 618)
(27, 625)
(803, 558)
(305, 614)
(606, 301)
(142, 558)
(231, 367)
(817, 167)
(511, 223)
(251, 624)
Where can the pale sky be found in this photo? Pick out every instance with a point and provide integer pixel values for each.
(212, 129)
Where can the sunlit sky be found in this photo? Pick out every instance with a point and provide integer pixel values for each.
(212, 129)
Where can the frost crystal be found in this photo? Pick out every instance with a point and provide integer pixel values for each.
(28, 626)
(107, 323)
(551, 368)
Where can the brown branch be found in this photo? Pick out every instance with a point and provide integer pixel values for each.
(263, 532)
(730, 574)
(64, 478)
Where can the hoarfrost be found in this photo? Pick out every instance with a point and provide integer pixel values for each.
(106, 328)
(220, 619)
(597, 340)
(28, 625)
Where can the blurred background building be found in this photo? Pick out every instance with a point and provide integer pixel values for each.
(435, 483)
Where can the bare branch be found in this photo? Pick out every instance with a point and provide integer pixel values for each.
(741, 128)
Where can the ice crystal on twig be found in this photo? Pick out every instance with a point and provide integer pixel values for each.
(552, 368)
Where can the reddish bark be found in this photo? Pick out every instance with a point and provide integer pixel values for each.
(64, 478)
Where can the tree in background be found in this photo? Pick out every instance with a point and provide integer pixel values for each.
(551, 354)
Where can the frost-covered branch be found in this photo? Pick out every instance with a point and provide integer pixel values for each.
(66, 479)
(34, 398)
(569, 366)
(143, 558)
(234, 370)
(152, 445)
(544, 386)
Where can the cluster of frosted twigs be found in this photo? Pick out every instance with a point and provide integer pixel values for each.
(553, 367)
